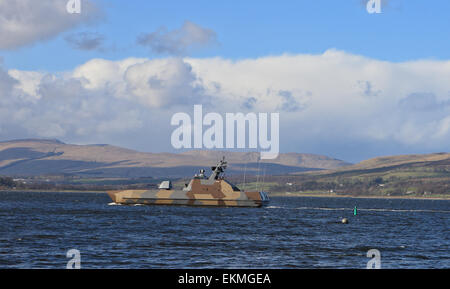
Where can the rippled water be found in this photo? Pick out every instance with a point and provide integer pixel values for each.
(37, 229)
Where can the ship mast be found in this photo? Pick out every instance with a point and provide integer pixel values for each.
(218, 169)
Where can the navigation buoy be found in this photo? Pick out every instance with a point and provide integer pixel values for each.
(355, 211)
(344, 221)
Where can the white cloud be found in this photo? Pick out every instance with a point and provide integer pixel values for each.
(101, 73)
(323, 99)
(163, 83)
(24, 22)
(28, 82)
(60, 106)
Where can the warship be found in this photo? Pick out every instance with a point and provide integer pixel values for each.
(200, 191)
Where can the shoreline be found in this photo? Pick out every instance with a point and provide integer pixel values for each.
(52, 191)
(328, 195)
(287, 194)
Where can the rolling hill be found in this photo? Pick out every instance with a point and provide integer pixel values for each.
(40, 157)
(414, 175)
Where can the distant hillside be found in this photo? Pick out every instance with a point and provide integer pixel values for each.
(390, 162)
(415, 175)
(36, 157)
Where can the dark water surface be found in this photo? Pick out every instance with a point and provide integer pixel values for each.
(37, 229)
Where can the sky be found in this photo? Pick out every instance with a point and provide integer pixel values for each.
(346, 83)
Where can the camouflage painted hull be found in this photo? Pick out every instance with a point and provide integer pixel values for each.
(201, 191)
(156, 197)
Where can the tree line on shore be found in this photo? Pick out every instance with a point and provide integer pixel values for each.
(341, 185)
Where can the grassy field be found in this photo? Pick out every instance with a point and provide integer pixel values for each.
(418, 176)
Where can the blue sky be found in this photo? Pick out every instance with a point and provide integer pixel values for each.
(405, 30)
(349, 84)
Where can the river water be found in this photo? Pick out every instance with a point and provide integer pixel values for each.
(37, 229)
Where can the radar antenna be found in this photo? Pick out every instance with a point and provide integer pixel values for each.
(218, 169)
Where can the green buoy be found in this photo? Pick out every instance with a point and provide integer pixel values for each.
(355, 211)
